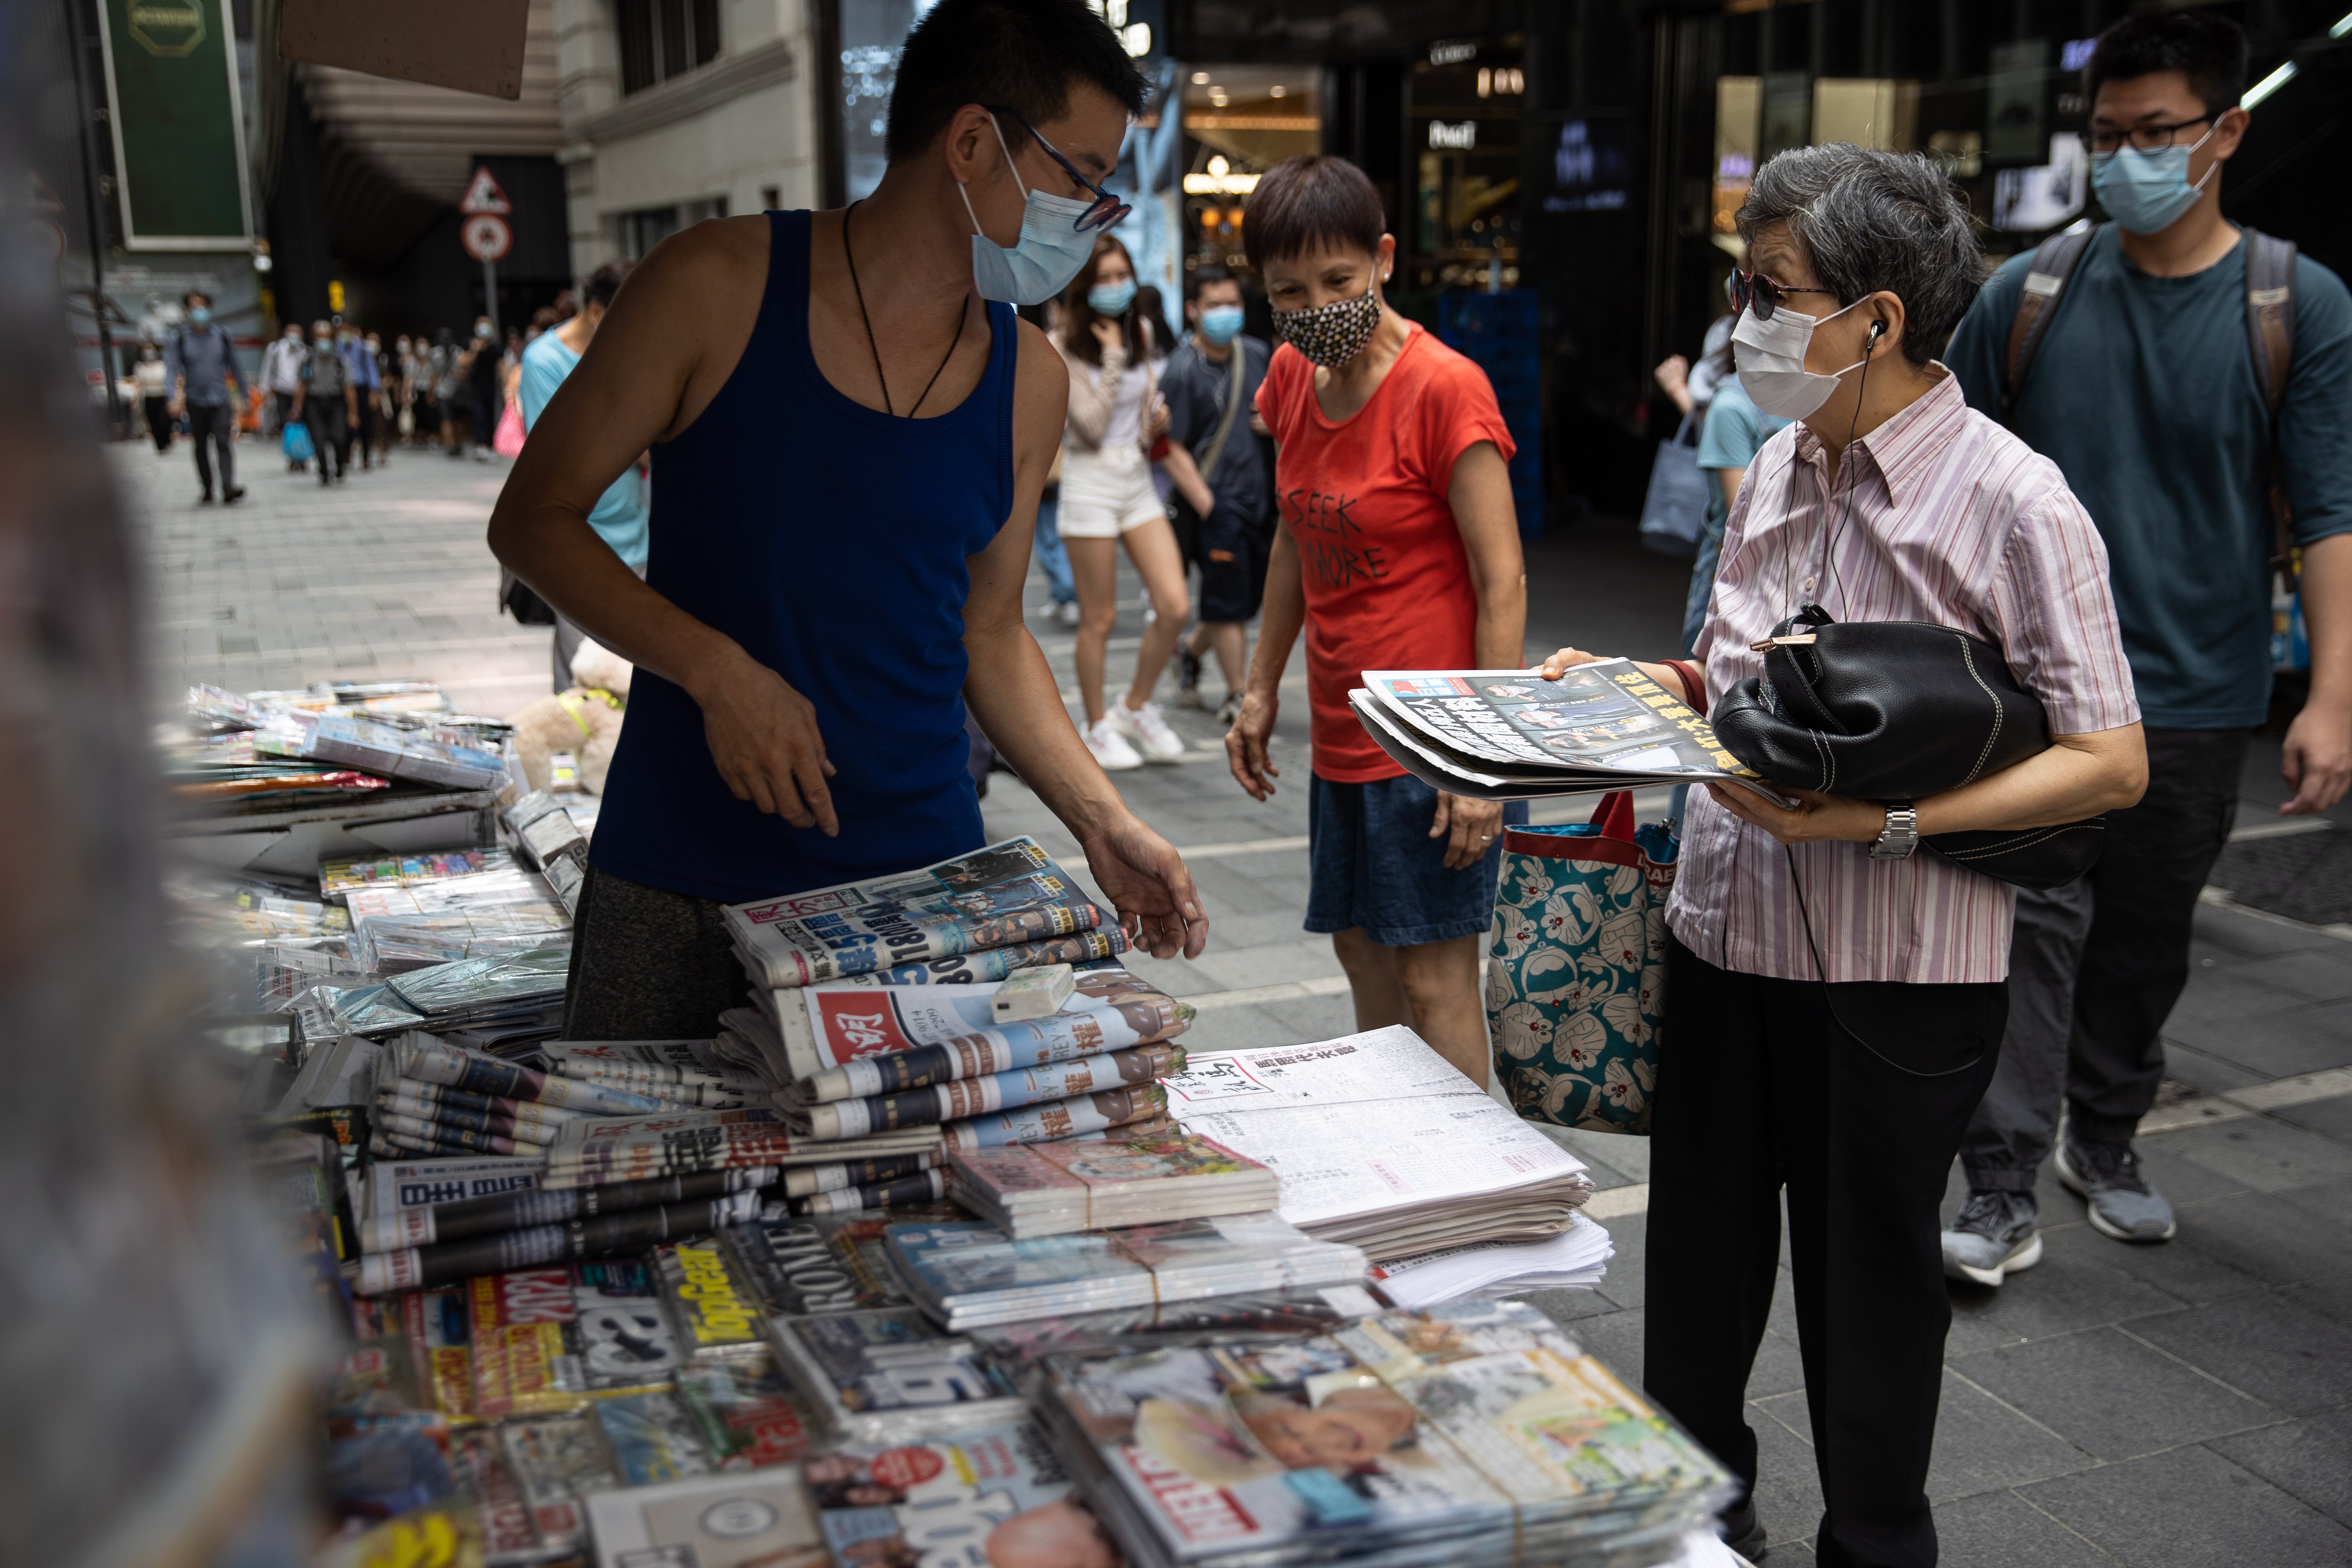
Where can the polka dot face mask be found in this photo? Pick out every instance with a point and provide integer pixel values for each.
(1330, 335)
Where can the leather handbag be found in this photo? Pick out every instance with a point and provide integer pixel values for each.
(1894, 711)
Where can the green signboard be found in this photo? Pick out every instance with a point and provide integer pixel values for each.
(179, 132)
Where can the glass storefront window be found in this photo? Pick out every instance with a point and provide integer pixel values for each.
(1239, 121)
(1462, 110)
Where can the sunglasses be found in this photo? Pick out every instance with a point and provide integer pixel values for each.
(1755, 292)
(1108, 209)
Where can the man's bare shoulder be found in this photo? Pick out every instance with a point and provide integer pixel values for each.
(714, 263)
(1042, 377)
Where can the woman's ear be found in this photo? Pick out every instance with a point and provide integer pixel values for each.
(1887, 324)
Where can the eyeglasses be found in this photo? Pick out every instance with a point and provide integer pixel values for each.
(1755, 291)
(2143, 138)
(1108, 209)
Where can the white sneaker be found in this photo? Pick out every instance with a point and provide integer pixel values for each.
(1149, 731)
(1067, 612)
(1112, 752)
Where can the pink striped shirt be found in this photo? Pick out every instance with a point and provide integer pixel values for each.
(1953, 521)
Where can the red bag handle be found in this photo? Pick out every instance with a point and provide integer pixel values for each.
(1614, 815)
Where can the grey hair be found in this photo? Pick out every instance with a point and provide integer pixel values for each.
(1871, 222)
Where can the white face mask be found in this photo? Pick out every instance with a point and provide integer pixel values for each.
(1772, 360)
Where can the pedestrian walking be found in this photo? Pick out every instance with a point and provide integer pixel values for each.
(200, 361)
(2192, 429)
(1107, 500)
(153, 379)
(327, 403)
(366, 381)
(804, 653)
(485, 370)
(423, 423)
(1223, 474)
(451, 391)
(619, 515)
(1399, 550)
(281, 378)
(1836, 1001)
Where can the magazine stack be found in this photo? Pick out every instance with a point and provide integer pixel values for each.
(1098, 1184)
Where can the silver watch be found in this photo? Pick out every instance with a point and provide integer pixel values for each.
(1900, 836)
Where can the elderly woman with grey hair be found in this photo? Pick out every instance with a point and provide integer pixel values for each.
(1836, 1002)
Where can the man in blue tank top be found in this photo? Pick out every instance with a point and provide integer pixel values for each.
(850, 431)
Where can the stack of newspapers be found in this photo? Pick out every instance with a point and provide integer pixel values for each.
(1381, 1141)
(522, 990)
(1510, 734)
(1090, 1184)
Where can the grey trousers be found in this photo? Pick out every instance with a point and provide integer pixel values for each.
(2096, 967)
(648, 964)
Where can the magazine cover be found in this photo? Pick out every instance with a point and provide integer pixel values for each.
(761, 1519)
(523, 1362)
(832, 1263)
(653, 1437)
(479, 1468)
(717, 1317)
(1007, 893)
(626, 1340)
(846, 1041)
(861, 1369)
(558, 1460)
(749, 1417)
(439, 1333)
(1085, 1165)
(996, 1498)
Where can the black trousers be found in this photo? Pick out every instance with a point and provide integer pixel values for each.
(648, 964)
(159, 421)
(2096, 965)
(211, 427)
(1857, 1114)
(330, 435)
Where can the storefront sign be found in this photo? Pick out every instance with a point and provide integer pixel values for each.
(179, 134)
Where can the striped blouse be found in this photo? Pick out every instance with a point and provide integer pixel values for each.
(1938, 515)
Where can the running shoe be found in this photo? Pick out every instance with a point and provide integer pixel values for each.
(2106, 1177)
(1995, 1235)
(1112, 752)
(1188, 679)
(1067, 612)
(1230, 708)
(1149, 731)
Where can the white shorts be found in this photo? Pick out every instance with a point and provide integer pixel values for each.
(1107, 493)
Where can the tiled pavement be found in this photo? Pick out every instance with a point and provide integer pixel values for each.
(2171, 1406)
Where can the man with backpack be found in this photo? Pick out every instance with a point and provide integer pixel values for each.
(200, 365)
(327, 403)
(2180, 372)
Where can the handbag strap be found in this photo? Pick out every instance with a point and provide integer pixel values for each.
(1236, 378)
(1614, 815)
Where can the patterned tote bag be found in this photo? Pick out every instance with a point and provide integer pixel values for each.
(1576, 968)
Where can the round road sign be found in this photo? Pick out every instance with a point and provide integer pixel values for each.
(486, 237)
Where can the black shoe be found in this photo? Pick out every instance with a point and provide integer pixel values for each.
(233, 495)
(1743, 1532)
(206, 498)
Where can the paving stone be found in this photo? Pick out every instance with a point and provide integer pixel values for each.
(2109, 1395)
(1999, 1527)
(2277, 1237)
(2289, 1358)
(2262, 1153)
(2330, 1118)
(1787, 1483)
(2330, 1296)
(2177, 1268)
(2252, 936)
(2068, 1291)
(1629, 1234)
(2203, 1071)
(2191, 1508)
(1614, 1337)
(2310, 1460)
(2298, 1040)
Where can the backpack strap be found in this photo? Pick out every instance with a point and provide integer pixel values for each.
(2270, 337)
(2053, 264)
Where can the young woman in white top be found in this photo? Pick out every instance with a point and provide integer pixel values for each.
(1107, 498)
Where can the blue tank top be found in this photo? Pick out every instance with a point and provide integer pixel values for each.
(829, 539)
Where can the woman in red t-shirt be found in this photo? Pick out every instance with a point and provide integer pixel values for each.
(1400, 551)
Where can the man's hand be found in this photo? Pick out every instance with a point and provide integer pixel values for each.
(763, 736)
(2316, 760)
(1198, 496)
(1146, 883)
(1245, 745)
(1817, 819)
(1472, 824)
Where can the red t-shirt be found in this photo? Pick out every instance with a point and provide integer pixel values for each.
(1387, 580)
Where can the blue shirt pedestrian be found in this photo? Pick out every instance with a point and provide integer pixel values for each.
(619, 519)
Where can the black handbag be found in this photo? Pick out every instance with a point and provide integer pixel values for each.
(1891, 711)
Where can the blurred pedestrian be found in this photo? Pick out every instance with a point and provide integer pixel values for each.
(1107, 498)
(153, 378)
(200, 360)
(619, 518)
(1222, 473)
(327, 403)
(451, 393)
(366, 382)
(1053, 557)
(1401, 552)
(2145, 391)
(382, 416)
(281, 378)
(486, 379)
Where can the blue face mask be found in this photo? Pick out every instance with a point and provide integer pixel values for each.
(2145, 191)
(1050, 251)
(199, 316)
(1111, 299)
(1220, 324)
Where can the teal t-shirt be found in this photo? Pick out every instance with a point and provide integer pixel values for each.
(1735, 431)
(2144, 393)
(620, 517)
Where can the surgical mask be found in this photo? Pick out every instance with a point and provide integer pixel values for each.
(402, 345)
(200, 316)
(1771, 359)
(1049, 254)
(1220, 324)
(1111, 299)
(1330, 335)
(324, 340)
(483, 331)
(2145, 191)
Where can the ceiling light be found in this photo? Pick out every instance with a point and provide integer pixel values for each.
(1218, 166)
(1200, 78)
(1277, 90)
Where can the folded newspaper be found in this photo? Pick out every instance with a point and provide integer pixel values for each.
(1510, 734)
(1007, 893)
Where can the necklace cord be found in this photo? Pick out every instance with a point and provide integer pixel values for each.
(963, 310)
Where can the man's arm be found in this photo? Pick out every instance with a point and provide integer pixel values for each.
(1187, 474)
(1013, 692)
(175, 375)
(1480, 495)
(2317, 760)
(668, 344)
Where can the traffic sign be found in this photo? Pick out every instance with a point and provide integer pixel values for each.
(483, 193)
(486, 237)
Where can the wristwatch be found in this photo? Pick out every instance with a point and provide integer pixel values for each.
(1901, 833)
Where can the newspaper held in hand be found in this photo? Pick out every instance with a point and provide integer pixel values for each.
(1007, 893)
(1089, 1183)
(1510, 734)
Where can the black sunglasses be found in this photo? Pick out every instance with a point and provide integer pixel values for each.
(1108, 209)
(1755, 291)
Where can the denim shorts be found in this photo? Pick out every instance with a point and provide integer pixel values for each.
(1372, 864)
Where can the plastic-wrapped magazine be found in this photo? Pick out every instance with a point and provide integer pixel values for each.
(997, 1497)
(830, 1264)
(479, 1466)
(1088, 1183)
(718, 1318)
(558, 1460)
(626, 1338)
(757, 1519)
(1007, 893)
(393, 944)
(482, 986)
(524, 1362)
(440, 1341)
(972, 1275)
(750, 1418)
(968, 1097)
(1269, 1314)
(1480, 1431)
(398, 753)
(846, 1041)
(653, 1437)
(890, 1374)
(338, 877)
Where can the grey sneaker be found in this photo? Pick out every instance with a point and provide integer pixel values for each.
(1994, 1238)
(2106, 1177)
